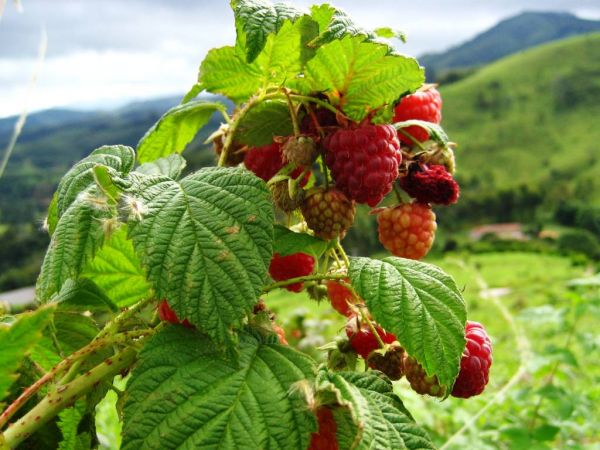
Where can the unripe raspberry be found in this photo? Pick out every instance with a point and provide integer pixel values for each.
(431, 184)
(264, 161)
(328, 213)
(407, 230)
(291, 266)
(475, 363)
(419, 381)
(166, 314)
(325, 438)
(300, 150)
(388, 360)
(281, 192)
(364, 161)
(362, 339)
(425, 104)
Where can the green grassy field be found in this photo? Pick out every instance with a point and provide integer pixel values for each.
(529, 311)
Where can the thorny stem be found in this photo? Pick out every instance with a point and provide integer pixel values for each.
(293, 114)
(66, 395)
(113, 326)
(317, 277)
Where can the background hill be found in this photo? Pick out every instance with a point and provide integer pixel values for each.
(507, 37)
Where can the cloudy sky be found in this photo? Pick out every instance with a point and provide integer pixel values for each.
(103, 53)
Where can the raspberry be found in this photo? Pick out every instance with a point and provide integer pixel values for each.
(363, 341)
(281, 192)
(475, 363)
(325, 438)
(425, 104)
(300, 150)
(432, 184)
(341, 297)
(328, 213)
(280, 334)
(364, 161)
(407, 230)
(166, 314)
(389, 361)
(324, 117)
(236, 152)
(291, 266)
(419, 381)
(264, 161)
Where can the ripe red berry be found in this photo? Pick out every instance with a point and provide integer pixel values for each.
(291, 266)
(166, 314)
(328, 213)
(433, 184)
(425, 104)
(325, 438)
(362, 339)
(475, 363)
(364, 161)
(341, 297)
(264, 161)
(419, 381)
(407, 230)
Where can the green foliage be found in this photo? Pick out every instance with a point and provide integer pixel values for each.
(287, 242)
(421, 305)
(214, 275)
(249, 403)
(17, 340)
(579, 241)
(170, 166)
(262, 123)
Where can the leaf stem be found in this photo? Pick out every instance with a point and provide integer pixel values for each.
(293, 114)
(339, 247)
(317, 277)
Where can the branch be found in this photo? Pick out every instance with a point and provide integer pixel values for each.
(317, 277)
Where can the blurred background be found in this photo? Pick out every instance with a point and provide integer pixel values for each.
(520, 81)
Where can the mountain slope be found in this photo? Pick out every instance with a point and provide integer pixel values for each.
(507, 37)
(528, 124)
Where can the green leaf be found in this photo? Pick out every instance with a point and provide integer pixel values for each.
(83, 295)
(287, 242)
(117, 270)
(81, 176)
(388, 33)
(175, 129)
(52, 217)
(360, 76)
(206, 242)
(78, 235)
(421, 305)
(436, 132)
(192, 93)
(263, 122)
(17, 340)
(334, 24)
(68, 422)
(379, 417)
(255, 20)
(170, 166)
(245, 404)
(223, 72)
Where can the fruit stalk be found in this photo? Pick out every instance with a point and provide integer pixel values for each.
(317, 277)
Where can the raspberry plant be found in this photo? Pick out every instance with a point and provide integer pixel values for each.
(157, 276)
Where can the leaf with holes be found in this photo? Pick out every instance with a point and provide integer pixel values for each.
(206, 242)
(421, 305)
(249, 403)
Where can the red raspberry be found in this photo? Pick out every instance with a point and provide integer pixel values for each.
(264, 161)
(425, 104)
(280, 334)
(475, 363)
(407, 230)
(364, 161)
(341, 297)
(325, 438)
(432, 184)
(166, 314)
(291, 266)
(389, 361)
(328, 213)
(363, 341)
(419, 381)
(325, 118)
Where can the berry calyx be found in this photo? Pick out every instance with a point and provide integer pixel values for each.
(325, 438)
(300, 150)
(388, 360)
(475, 363)
(363, 340)
(408, 230)
(291, 266)
(431, 184)
(364, 161)
(341, 297)
(264, 161)
(329, 213)
(419, 381)
(166, 314)
(425, 104)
